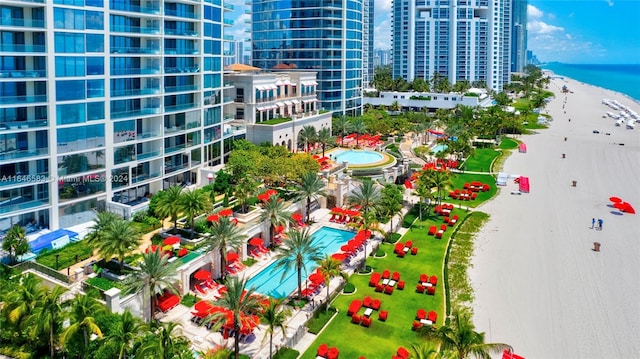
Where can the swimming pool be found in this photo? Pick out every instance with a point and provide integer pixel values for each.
(269, 281)
(357, 157)
(439, 148)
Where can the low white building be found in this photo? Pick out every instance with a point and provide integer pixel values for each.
(430, 100)
(274, 106)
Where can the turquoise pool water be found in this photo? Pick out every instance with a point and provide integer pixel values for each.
(269, 281)
(356, 157)
(439, 148)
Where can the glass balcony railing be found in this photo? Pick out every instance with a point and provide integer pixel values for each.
(145, 155)
(181, 13)
(21, 48)
(134, 113)
(134, 50)
(228, 37)
(173, 70)
(123, 6)
(14, 21)
(180, 88)
(10, 155)
(135, 29)
(169, 168)
(15, 125)
(134, 71)
(169, 51)
(134, 92)
(174, 129)
(180, 32)
(22, 73)
(22, 99)
(144, 177)
(228, 22)
(229, 7)
(179, 107)
(6, 208)
(149, 134)
(175, 148)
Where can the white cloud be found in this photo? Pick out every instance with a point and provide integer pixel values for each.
(609, 2)
(382, 35)
(533, 12)
(382, 5)
(541, 27)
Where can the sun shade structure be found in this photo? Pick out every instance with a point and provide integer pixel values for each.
(169, 241)
(256, 241)
(241, 67)
(202, 274)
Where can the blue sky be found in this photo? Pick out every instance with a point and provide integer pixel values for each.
(569, 31)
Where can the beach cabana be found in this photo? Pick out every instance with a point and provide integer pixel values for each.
(502, 179)
(524, 184)
(522, 148)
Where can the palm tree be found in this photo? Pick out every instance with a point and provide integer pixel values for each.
(275, 213)
(426, 350)
(224, 234)
(367, 196)
(241, 302)
(330, 268)
(23, 299)
(192, 204)
(311, 187)
(102, 221)
(359, 127)
(274, 316)
(440, 180)
(324, 138)
(119, 238)
(391, 202)
(169, 204)
(307, 136)
(461, 338)
(341, 126)
(84, 310)
(155, 275)
(165, 342)
(15, 242)
(297, 248)
(126, 331)
(423, 190)
(46, 317)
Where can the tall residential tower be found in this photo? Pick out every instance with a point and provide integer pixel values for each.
(458, 39)
(320, 36)
(105, 102)
(519, 36)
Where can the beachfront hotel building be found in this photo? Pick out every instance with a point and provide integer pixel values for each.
(459, 39)
(324, 37)
(104, 102)
(519, 35)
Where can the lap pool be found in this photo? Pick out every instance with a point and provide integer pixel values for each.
(269, 281)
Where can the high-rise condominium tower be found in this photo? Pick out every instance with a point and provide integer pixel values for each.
(458, 39)
(519, 36)
(321, 36)
(104, 102)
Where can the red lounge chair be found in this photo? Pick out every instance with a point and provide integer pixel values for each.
(439, 234)
(485, 187)
(366, 322)
(367, 302)
(400, 285)
(474, 195)
(414, 251)
(431, 290)
(375, 278)
(379, 287)
(323, 349)
(445, 219)
(432, 316)
(395, 276)
(399, 247)
(356, 319)
(419, 288)
(182, 252)
(388, 290)
(433, 280)
(386, 274)
(333, 353)
(466, 186)
(443, 227)
(383, 315)
(401, 253)
(199, 289)
(403, 353)
(354, 307)
(375, 304)
(432, 230)
(423, 278)
(416, 325)
(421, 314)
(409, 244)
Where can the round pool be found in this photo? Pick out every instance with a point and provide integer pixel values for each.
(439, 148)
(357, 157)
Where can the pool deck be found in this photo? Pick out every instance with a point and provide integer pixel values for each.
(254, 345)
(385, 158)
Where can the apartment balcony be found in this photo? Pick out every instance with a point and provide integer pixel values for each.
(147, 135)
(179, 107)
(134, 92)
(180, 32)
(16, 125)
(134, 71)
(174, 149)
(135, 113)
(228, 37)
(169, 51)
(174, 129)
(135, 29)
(144, 177)
(134, 50)
(19, 22)
(11, 100)
(229, 7)
(22, 48)
(18, 74)
(147, 155)
(182, 14)
(172, 89)
(20, 206)
(15, 154)
(120, 5)
(170, 168)
(227, 22)
(175, 70)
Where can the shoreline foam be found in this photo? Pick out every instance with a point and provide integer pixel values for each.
(538, 285)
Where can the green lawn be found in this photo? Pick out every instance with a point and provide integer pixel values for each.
(459, 179)
(382, 339)
(508, 144)
(481, 160)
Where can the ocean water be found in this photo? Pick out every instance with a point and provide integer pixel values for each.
(620, 78)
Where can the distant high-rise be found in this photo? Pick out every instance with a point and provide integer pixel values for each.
(368, 41)
(519, 36)
(325, 37)
(458, 39)
(235, 53)
(104, 103)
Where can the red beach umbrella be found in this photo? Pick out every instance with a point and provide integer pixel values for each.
(346, 248)
(213, 218)
(202, 306)
(316, 278)
(296, 217)
(169, 241)
(256, 242)
(232, 256)
(225, 212)
(339, 256)
(615, 199)
(626, 207)
(337, 210)
(202, 274)
(618, 205)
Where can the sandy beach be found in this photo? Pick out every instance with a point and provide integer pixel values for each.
(538, 284)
